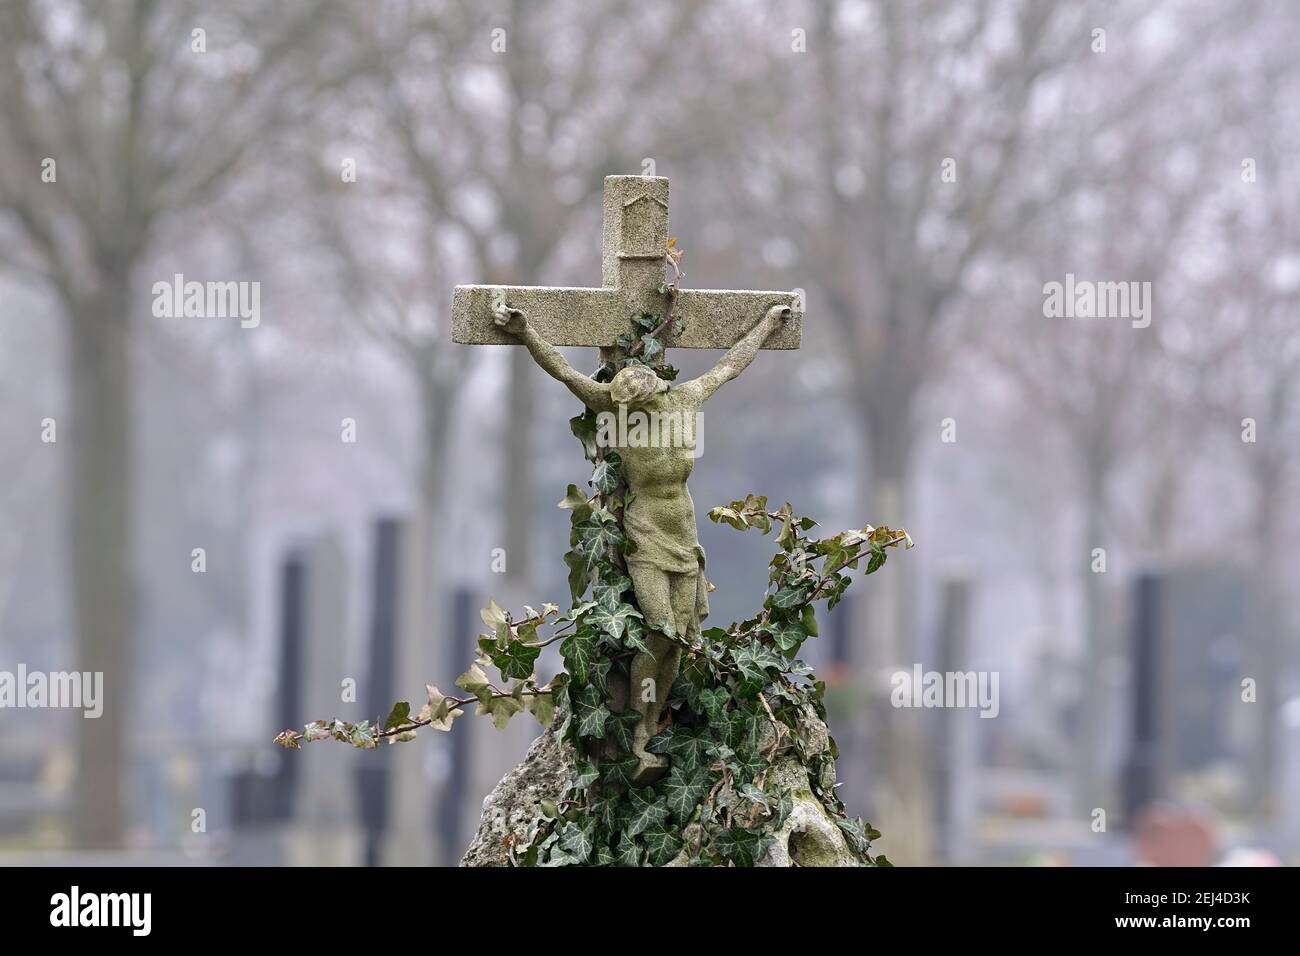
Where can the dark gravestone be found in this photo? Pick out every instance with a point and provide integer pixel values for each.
(1204, 609)
(460, 648)
(1146, 771)
(372, 774)
(257, 797)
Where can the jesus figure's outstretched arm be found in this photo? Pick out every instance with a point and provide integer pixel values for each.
(737, 358)
(591, 393)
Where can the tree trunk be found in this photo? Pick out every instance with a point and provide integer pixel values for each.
(410, 839)
(893, 740)
(99, 543)
(1264, 630)
(1091, 787)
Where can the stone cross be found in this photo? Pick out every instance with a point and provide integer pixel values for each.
(666, 562)
(632, 269)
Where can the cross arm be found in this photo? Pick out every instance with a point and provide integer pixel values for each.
(719, 318)
(593, 317)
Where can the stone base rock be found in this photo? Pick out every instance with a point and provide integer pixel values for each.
(810, 836)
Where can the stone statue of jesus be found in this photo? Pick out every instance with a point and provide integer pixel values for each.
(667, 565)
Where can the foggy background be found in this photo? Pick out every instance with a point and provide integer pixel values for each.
(1104, 513)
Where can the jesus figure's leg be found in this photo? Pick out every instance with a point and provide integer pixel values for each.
(659, 594)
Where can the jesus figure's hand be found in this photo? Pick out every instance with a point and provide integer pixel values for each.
(512, 321)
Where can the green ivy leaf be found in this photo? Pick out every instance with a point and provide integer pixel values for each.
(516, 663)
(644, 811)
(612, 622)
(399, 715)
(714, 702)
(584, 429)
(683, 791)
(542, 706)
(579, 653)
(605, 476)
(500, 709)
(476, 682)
(629, 854)
(576, 501)
(790, 596)
(662, 845)
(622, 728)
(577, 839)
(591, 722)
(584, 775)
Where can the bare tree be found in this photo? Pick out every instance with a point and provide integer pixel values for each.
(136, 112)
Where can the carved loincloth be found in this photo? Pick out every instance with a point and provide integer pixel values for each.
(668, 542)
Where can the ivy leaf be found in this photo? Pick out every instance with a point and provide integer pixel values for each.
(609, 591)
(787, 634)
(605, 476)
(437, 710)
(629, 854)
(584, 775)
(618, 773)
(579, 652)
(686, 748)
(577, 839)
(652, 348)
(856, 832)
(808, 618)
(579, 572)
(876, 560)
(661, 845)
(683, 790)
(476, 682)
(753, 660)
(755, 795)
(645, 810)
(748, 764)
(605, 857)
(542, 706)
(790, 596)
(783, 810)
(399, 715)
(500, 709)
(622, 727)
(596, 536)
(584, 429)
(516, 662)
(591, 723)
(612, 622)
(363, 736)
(742, 847)
(576, 501)
(560, 857)
(714, 702)
(634, 636)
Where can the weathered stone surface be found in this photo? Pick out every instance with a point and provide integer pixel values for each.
(633, 245)
(515, 801)
(810, 836)
(713, 318)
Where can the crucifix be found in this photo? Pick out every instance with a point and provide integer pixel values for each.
(667, 563)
